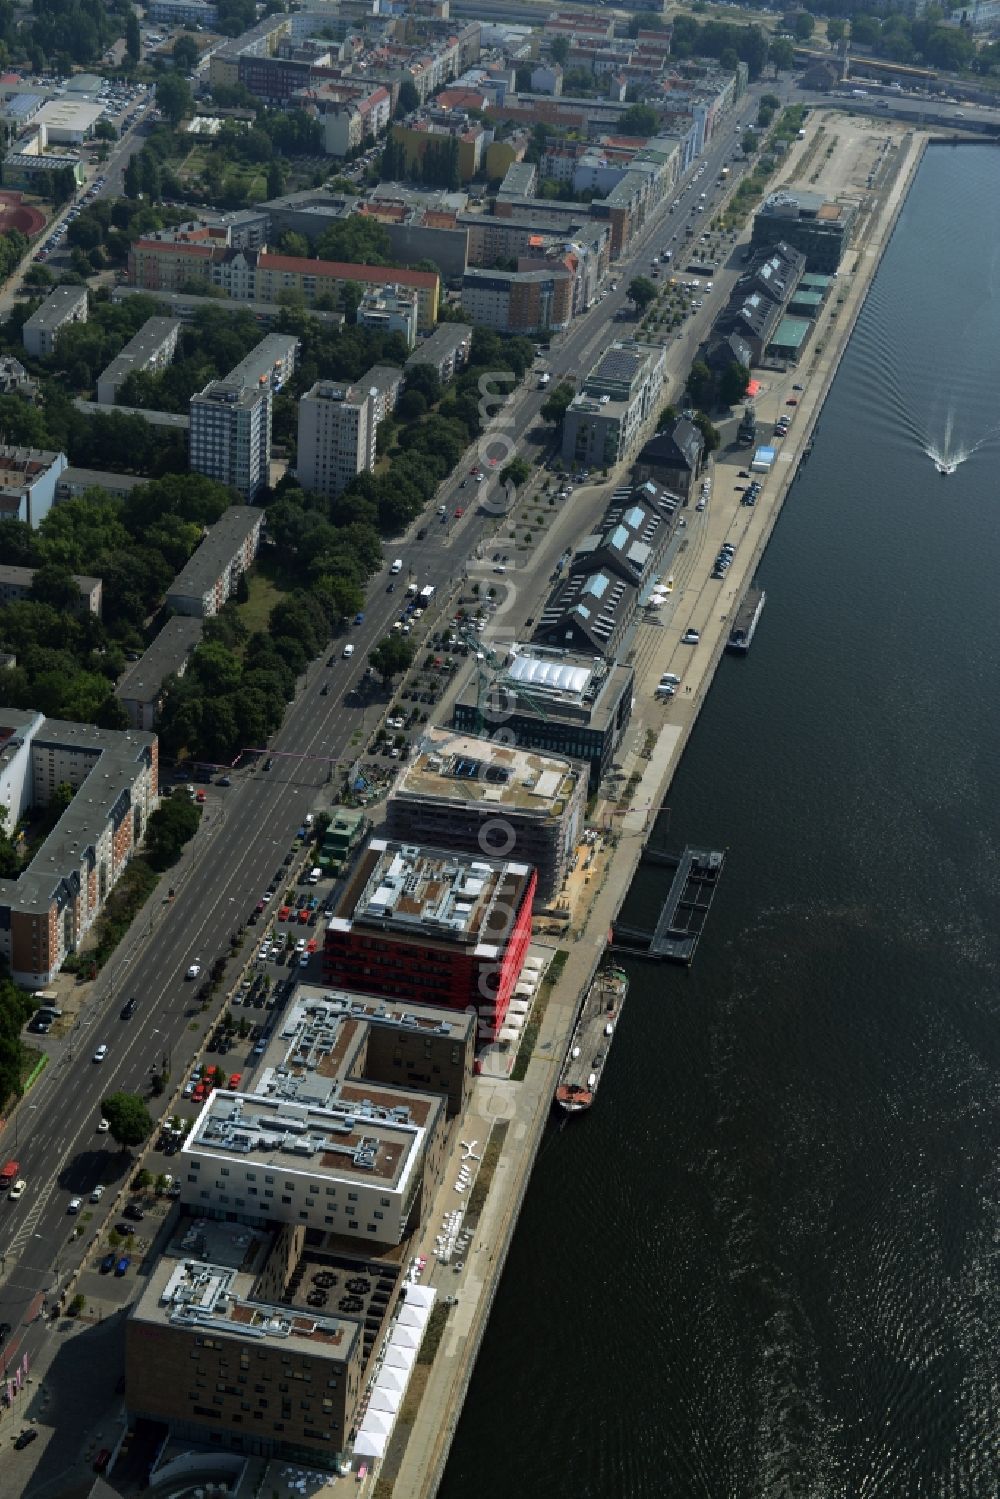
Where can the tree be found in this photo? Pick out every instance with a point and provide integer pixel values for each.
(128, 1118)
(708, 432)
(733, 383)
(559, 50)
(748, 143)
(553, 408)
(53, 584)
(804, 26)
(185, 53)
(523, 80)
(700, 383)
(835, 28)
(642, 291)
(782, 54)
(517, 472)
(133, 36)
(639, 120)
(169, 828)
(392, 655)
(408, 99)
(173, 97)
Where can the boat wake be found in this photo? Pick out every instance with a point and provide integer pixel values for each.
(947, 458)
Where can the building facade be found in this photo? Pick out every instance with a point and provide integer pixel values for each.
(141, 689)
(443, 929)
(65, 305)
(28, 481)
(230, 435)
(336, 438)
(469, 793)
(16, 584)
(151, 349)
(211, 574)
(604, 421)
(49, 908)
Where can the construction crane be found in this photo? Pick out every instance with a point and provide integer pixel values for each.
(493, 678)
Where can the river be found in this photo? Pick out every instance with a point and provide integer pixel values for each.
(767, 1263)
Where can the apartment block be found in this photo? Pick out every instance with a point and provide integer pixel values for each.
(47, 910)
(16, 582)
(442, 928)
(211, 574)
(391, 309)
(65, 305)
(230, 435)
(529, 301)
(469, 793)
(152, 348)
(336, 438)
(141, 689)
(605, 419)
(261, 275)
(447, 350)
(28, 481)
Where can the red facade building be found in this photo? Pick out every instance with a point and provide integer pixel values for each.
(437, 927)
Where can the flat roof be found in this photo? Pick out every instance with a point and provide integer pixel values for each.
(69, 114)
(141, 348)
(169, 652)
(328, 1142)
(23, 577)
(201, 1297)
(792, 332)
(217, 550)
(97, 478)
(173, 419)
(57, 307)
(276, 349)
(451, 766)
(433, 895)
(115, 760)
(444, 341)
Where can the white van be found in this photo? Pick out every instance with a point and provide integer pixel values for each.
(348, 651)
(397, 566)
(315, 875)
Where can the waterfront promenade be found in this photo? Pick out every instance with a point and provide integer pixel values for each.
(526, 1105)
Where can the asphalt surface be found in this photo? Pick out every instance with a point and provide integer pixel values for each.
(248, 828)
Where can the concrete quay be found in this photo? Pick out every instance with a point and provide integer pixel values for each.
(697, 603)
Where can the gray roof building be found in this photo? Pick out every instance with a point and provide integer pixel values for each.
(520, 180)
(149, 349)
(446, 350)
(673, 458)
(140, 690)
(174, 420)
(592, 610)
(185, 305)
(67, 304)
(210, 576)
(632, 538)
(73, 482)
(16, 583)
(271, 362)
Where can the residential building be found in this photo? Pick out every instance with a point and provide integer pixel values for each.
(605, 419)
(210, 575)
(674, 458)
(183, 13)
(15, 380)
(65, 305)
(469, 793)
(141, 689)
(527, 301)
(261, 275)
(442, 928)
(73, 482)
(520, 180)
(547, 78)
(48, 909)
(390, 309)
(446, 350)
(28, 479)
(348, 123)
(16, 583)
(562, 702)
(230, 435)
(385, 384)
(808, 222)
(186, 306)
(269, 365)
(336, 439)
(151, 349)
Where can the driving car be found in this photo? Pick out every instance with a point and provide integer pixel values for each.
(128, 1009)
(97, 1194)
(193, 969)
(103, 1126)
(17, 1190)
(691, 637)
(459, 512)
(100, 1053)
(74, 1205)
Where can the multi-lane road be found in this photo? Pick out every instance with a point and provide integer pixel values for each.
(247, 830)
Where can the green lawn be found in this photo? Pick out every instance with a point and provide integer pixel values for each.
(264, 594)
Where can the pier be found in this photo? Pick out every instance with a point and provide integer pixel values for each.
(685, 910)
